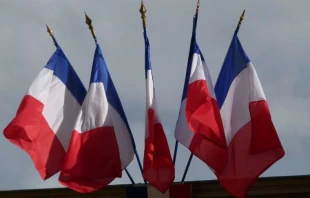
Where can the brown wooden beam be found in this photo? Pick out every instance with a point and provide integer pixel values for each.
(273, 187)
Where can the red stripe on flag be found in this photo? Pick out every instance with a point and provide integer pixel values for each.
(92, 160)
(254, 148)
(30, 131)
(204, 119)
(158, 168)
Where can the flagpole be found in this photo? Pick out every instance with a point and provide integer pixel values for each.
(176, 144)
(143, 17)
(91, 28)
(129, 176)
(50, 31)
(240, 22)
(175, 151)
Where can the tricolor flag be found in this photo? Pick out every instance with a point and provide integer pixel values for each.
(253, 143)
(101, 144)
(45, 118)
(175, 191)
(158, 167)
(199, 126)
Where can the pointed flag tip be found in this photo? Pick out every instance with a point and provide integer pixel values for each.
(142, 8)
(90, 26)
(48, 29)
(88, 20)
(198, 6)
(143, 13)
(243, 13)
(240, 21)
(50, 32)
(241, 17)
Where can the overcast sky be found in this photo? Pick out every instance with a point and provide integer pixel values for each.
(274, 34)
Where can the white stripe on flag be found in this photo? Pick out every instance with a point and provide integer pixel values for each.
(235, 110)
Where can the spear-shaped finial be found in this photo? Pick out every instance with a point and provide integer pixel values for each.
(143, 13)
(50, 31)
(90, 26)
(198, 6)
(240, 20)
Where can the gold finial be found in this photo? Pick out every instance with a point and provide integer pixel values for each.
(90, 26)
(50, 31)
(198, 6)
(143, 13)
(241, 18)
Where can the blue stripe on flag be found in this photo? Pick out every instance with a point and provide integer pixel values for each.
(236, 60)
(65, 72)
(192, 49)
(195, 50)
(148, 65)
(100, 73)
(136, 192)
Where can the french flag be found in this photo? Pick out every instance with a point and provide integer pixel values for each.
(199, 126)
(252, 140)
(45, 118)
(101, 145)
(158, 167)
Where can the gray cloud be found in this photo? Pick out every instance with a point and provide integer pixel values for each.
(274, 35)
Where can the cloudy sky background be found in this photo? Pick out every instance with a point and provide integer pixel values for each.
(274, 34)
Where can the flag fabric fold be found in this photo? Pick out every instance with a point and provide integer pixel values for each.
(101, 145)
(45, 118)
(158, 167)
(252, 140)
(199, 126)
